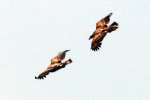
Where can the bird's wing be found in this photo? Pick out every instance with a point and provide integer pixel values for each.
(46, 72)
(97, 41)
(56, 60)
(49, 69)
(60, 56)
(43, 74)
(102, 23)
(113, 27)
(53, 68)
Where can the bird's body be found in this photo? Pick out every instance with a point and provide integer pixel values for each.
(102, 28)
(56, 64)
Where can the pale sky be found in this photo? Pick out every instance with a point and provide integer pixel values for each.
(33, 31)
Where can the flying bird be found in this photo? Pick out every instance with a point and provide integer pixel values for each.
(56, 64)
(102, 28)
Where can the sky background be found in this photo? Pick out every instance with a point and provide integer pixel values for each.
(33, 31)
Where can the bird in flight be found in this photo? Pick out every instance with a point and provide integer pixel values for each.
(102, 28)
(56, 64)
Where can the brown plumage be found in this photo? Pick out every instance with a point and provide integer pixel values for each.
(59, 57)
(56, 64)
(102, 28)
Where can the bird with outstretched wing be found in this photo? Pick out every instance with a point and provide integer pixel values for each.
(56, 64)
(102, 28)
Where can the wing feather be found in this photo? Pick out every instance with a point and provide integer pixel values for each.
(97, 41)
(103, 22)
(53, 68)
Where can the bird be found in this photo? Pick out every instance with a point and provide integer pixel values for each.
(55, 65)
(102, 28)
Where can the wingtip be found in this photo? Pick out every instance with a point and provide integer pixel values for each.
(39, 78)
(90, 37)
(67, 50)
(110, 14)
(70, 60)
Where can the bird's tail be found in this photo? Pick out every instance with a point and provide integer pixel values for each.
(113, 27)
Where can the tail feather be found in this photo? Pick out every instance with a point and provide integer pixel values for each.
(113, 27)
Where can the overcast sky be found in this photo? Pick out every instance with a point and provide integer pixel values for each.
(33, 31)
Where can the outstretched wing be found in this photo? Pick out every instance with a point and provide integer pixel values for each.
(43, 74)
(113, 27)
(103, 22)
(53, 68)
(56, 60)
(59, 57)
(97, 41)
